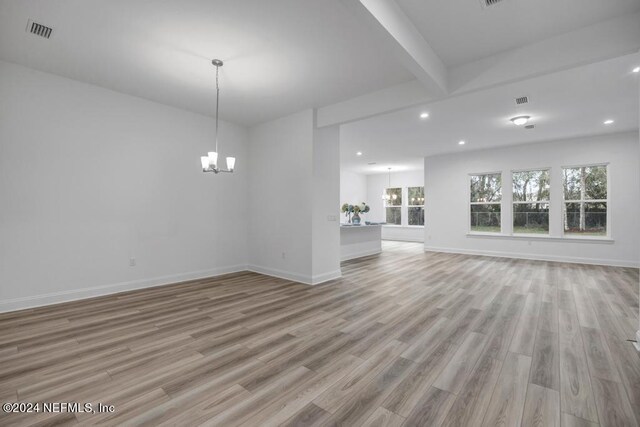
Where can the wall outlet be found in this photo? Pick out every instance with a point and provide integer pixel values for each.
(132, 262)
(284, 255)
(332, 218)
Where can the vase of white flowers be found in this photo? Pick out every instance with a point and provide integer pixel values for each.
(356, 210)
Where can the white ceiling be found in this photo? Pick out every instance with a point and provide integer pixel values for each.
(565, 104)
(281, 56)
(461, 31)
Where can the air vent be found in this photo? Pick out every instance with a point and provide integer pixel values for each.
(39, 29)
(522, 100)
(530, 126)
(487, 3)
(371, 163)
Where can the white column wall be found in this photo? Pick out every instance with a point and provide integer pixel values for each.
(326, 205)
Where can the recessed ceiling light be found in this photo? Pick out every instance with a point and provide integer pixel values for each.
(424, 115)
(520, 120)
(636, 70)
(359, 153)
(461, 142)
(608, 122)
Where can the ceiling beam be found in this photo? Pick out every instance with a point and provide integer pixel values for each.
(390, 22)
(602, 41)
(599, 42)
(371, 104)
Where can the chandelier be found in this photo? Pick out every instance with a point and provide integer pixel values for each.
(385, 193)
(210, 161)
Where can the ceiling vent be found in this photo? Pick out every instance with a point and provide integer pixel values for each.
(530, 126)
(486, 3)
(522, 100)
(39, 29)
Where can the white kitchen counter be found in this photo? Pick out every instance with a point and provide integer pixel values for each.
(360, 240)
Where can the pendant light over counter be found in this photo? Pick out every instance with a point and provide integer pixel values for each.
(210, 161)
(385, 193)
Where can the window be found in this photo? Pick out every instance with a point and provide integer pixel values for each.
(393, 206)
(585, 200)
(531, 202)
(415, 210)
(485, 202)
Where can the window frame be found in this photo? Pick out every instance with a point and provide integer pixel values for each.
(409, 205)
(470, 203)
(385, 205)
(549, 170)
(606, 236)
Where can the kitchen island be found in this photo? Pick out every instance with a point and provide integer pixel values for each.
(359, 240)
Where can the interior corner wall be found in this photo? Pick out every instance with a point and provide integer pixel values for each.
(326, 205)
(447, 207)
(280, 197)
(91, 178)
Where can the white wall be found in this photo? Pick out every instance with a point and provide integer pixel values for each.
(294, 174)
(280, 198)
(90, 178)
(326, 205)
(446, 193)
(376, 184)
(353, 189)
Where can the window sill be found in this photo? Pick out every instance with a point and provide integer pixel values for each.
(593, 239)
(403, 226)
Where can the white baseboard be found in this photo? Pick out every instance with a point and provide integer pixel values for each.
(325, 277)
(296, 277)
(77, 294)
(359, 254)
(280, 274)
(405, 239)
(537, 257)
(96, 291)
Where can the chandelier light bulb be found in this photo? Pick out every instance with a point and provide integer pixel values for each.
(213, 158)
(231, 163)
(205, 162)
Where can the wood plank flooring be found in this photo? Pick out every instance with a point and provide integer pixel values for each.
(405, 338)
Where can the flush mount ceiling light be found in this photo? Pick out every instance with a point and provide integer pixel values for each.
(461, 142)
(359, 153)
(608, 122)
(636, 70)
(520, 120)
(210, 161)
(424, 115)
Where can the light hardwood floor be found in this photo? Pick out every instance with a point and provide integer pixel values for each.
(405, 338)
